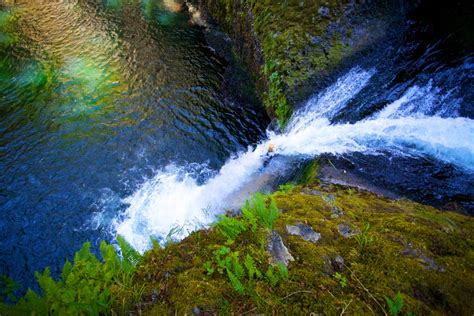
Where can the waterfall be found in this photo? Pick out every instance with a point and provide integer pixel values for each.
(422, 123)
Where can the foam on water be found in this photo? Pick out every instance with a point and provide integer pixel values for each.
(173, 198)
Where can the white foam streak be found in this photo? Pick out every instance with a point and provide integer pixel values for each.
(173, 198)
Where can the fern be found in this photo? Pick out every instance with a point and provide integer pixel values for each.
(235, 282)
(249, 217)
(395, 306)
(266, 215)
(130, 257)
(251, 268)
(230, 227)
(271, 276)
(8, 287)
(85, 286)
(283, 271)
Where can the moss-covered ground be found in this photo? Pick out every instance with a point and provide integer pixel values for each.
(396, 246)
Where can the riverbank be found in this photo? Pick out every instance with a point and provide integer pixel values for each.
(347, 250)
(318, 248)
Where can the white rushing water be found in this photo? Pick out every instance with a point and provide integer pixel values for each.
(173, 198)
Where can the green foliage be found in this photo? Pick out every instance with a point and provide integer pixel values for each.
(364, 239)
(89, 286)
(266, 216)
(274, 276)
(230, 227)
(251, 268)
(257, 214)
(8, 287)
(130, 257)
(395, 306)
(286, 188)
(342, 279)
(208, 267)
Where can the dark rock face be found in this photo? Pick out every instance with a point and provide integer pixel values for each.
(306, 232)
(278, 251)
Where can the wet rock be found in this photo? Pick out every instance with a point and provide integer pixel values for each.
(429, 263)
(324, 11)
(278, 251)
(336, 212)
(346, 231)
(306, 232)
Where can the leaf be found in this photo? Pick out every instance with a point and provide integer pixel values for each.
(130, 256)
(395, 306)
(235, 282)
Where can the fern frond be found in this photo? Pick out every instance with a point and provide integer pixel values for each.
(130, 256)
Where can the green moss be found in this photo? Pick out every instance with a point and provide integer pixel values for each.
(295, 42)
(391, 254)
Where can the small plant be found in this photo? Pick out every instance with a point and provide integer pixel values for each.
(230, 227)
(286, 188)
(208, 267)
(273, 276)
(266, 216)
(342, 279)
(364, 239)
(395, 306)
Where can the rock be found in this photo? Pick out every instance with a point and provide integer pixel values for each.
(330, 199)
(429, 263)
(338, 263)
(346, 231)
(196, 311)
(306, 232)
(336, 212)
(278, 251)
(316, 40)
(324, 11)
(333, 264)
(311, 191)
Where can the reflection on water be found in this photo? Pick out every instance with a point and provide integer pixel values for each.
(95, 96)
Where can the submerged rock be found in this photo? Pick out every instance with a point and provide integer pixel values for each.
(278, 251)
(306, 232)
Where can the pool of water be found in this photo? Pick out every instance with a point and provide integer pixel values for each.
(95, 96)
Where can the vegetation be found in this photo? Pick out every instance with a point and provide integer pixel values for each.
(89, 286)
(405, 258)
(294, 38)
